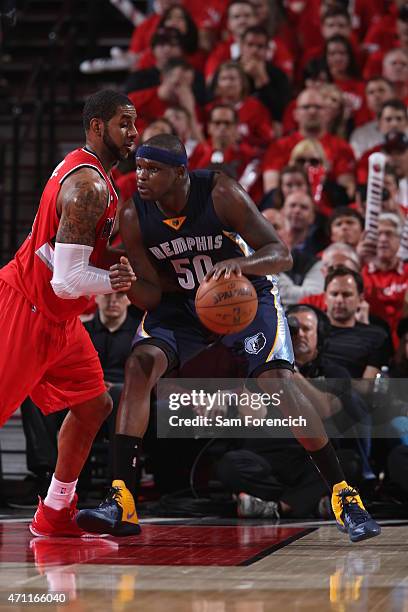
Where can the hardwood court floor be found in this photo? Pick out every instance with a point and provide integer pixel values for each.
(196, 566)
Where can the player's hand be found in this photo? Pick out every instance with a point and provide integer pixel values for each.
(121, 275)
(227, 268)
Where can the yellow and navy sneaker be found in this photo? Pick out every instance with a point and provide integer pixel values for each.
(351, 516)
(116, 515)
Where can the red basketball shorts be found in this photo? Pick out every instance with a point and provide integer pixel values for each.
(55, 364)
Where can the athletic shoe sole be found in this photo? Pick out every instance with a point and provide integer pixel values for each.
(94, 524)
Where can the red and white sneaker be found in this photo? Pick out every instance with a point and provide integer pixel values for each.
(61, 523)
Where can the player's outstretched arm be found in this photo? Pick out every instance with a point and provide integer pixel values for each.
(236, 210)
(81, 203)
(145, 293)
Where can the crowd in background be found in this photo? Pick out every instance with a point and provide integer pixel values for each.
(291, 98)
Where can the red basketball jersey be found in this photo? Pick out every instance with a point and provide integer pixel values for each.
(31, 270)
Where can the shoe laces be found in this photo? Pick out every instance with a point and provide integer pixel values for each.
(114, 494)
(349, 498)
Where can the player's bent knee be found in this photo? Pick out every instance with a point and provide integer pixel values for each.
(93, 412)
(144, 365)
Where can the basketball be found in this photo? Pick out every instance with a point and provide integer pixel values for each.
(226, 305)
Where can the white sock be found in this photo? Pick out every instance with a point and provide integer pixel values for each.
(60, 494)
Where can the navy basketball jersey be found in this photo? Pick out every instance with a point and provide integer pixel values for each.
(186, 247)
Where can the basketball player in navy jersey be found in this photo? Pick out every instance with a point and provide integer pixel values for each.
(196, 225)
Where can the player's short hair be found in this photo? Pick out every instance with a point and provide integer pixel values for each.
(167, 142)
(103, 105)
(340, 271)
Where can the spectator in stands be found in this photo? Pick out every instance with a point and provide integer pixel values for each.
(269, 15)
(299, 213)
(230, 86)
(223, 145)
(292, 178)
(175, 88)
(386, 276)
(379, 45)
(337, 254)
(314, 77)
(383, 33)
(396, 147)
(340, 62)
(268, 83)
(368, 135)
(393, 117)
(165, 45)
(335, 21)
(276, 218)
(310, 155)
(112, 331)
(139, 43)
(305, 276)
(177, 18)
(358, 347)
(144, 32)
(310, 116)
(391, 195)
(337, 116)
(395, 69)
(185, 126)
(240, 16)
(346, 225)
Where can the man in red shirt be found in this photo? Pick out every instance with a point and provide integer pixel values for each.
(386, 276)
(310, 117)
(242, 15)
(46, 353)
(395, 69)
(175, 89)
(393, 117)
(223, 146)
(389, 33)
(334, 21)
(378, 90)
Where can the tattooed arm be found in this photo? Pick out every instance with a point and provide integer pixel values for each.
(81, 203)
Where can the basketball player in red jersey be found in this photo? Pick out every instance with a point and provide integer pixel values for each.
(46, 353)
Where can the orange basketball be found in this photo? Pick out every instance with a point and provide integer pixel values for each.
(226, 306)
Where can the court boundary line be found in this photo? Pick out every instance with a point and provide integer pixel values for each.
(275, 547)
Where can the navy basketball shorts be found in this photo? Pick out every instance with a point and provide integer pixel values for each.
(175, 328)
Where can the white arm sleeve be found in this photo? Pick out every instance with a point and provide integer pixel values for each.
(73, 276)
